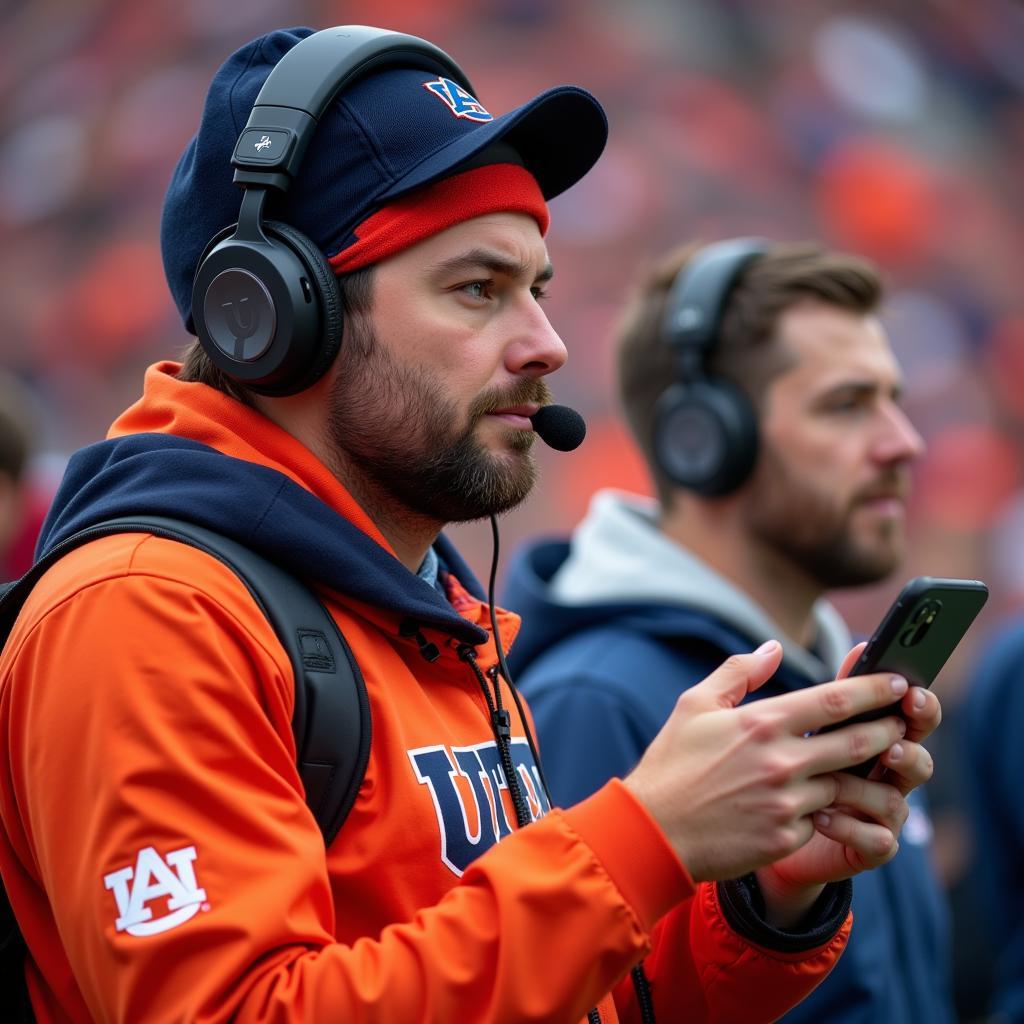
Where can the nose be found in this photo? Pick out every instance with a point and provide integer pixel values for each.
(535, 349)
(899, 442)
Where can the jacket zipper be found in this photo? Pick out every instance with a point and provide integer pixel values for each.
(501, 726)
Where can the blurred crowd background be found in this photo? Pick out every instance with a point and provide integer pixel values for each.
(891, 129)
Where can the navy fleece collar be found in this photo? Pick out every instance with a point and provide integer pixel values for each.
(161, 474)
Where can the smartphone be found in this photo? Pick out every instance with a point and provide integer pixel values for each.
(915, 639)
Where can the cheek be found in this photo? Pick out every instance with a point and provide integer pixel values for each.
(822, 461)
(802, 444)
(428, 333)
(465, 364)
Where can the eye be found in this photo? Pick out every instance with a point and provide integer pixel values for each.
(847, 404)
(539, 292)
(477, 289)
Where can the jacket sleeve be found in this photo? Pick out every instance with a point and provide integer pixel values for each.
(148, 725)
(701, 968)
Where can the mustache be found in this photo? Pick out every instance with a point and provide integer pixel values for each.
(894, 484)
(531, 390)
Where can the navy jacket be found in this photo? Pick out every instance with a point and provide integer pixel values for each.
(994, 718)
(601, 680)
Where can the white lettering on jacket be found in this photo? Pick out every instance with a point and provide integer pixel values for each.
(154, 877)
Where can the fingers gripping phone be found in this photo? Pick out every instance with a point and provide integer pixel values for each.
(915, 639)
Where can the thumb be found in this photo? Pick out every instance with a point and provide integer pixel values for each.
(741, 674)
(850, 660)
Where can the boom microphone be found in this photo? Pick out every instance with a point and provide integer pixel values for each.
(559, 427)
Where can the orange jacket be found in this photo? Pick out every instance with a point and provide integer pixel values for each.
(163, 864)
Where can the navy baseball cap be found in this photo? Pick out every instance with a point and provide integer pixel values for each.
(386, 135)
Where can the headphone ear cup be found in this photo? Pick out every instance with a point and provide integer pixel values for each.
(705, 436)
(327, 295)
(268, 313)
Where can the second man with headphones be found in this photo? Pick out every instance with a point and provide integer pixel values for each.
(763, 392)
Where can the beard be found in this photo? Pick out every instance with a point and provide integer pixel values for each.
(394, 425)
(812, 531)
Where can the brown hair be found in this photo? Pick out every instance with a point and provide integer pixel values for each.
(746, 349)
(197, 367)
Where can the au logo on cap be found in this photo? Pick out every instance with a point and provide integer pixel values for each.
(460, 102)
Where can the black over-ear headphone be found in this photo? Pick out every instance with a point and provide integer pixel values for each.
(705, 427)
(265, 301)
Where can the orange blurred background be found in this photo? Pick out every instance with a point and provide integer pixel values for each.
(892, 129)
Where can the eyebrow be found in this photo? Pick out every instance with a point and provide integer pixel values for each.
(860, 389)
(493, 261)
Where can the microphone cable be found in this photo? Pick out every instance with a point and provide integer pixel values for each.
(503, 664)
(641, 984)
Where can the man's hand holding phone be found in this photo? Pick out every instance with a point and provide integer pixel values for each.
(808, 787)
(861, 829)
(735, 786)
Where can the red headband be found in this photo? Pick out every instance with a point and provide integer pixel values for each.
(495, 188)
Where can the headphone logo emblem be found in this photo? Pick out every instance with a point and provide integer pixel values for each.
(243, 321)
(263, 144)
(240, 314)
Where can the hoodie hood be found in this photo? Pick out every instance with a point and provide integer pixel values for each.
(620, 566)
(293, 512)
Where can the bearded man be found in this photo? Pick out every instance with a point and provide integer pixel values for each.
(761, 387)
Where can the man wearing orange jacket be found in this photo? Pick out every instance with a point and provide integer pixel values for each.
(157, 848)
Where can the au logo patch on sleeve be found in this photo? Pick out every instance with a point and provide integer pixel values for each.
(460, 102)
(171, 879)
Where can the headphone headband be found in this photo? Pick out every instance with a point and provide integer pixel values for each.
(265, 302)
(304, 83)
(698, 297)
(705, 428)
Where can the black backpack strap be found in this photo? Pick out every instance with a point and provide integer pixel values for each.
(13, 990)
(331, 721)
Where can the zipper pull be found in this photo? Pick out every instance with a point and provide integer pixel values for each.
(501, 722)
